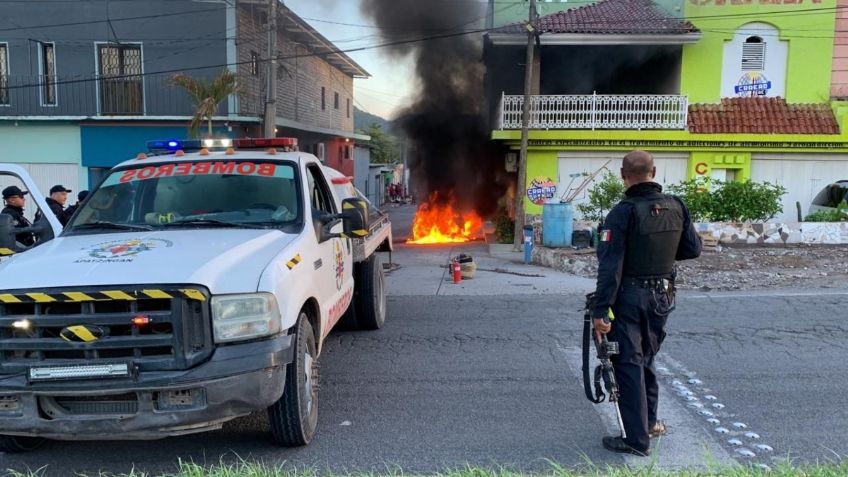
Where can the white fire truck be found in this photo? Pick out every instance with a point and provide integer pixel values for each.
(193, 286)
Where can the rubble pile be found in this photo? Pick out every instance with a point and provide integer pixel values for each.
(735, 267)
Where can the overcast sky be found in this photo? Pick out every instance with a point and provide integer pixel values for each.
(391, 80)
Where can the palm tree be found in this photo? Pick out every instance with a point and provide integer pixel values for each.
(206, 96)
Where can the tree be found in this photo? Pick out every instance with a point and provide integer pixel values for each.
(206, 96)
(602, 198)
(384, 149)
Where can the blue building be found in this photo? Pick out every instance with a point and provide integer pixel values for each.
(84, 88)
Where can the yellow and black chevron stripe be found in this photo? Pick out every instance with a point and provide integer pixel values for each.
(100, 295)
(81, 333)
(294, 261)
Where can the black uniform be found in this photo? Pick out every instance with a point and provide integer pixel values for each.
(19, 221)
(57, 210)
(642, 237)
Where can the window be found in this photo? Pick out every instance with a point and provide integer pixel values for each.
(48, 73)
(336, 101)
(121, 83)
(254, 63)
(246, 192)
(319, 193)
(348, 107)
(323, 98)
(4, 74)
(753, 54)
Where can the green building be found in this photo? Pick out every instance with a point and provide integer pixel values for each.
(730, 89)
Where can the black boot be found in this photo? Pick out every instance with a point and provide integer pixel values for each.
(617, 444)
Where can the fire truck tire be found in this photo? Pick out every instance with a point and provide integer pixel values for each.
(370, 299)
(294, 417)
(348, 320)
(17, 444)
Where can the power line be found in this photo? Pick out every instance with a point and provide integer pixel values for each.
(334, 51)
(124, 19)
(290, 57)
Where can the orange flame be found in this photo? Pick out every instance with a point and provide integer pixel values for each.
(440, 223)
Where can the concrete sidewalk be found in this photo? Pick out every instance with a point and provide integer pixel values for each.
(423, 271)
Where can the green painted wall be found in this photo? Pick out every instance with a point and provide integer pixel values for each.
(674, 141)
(540, 163)
(807, 26)
(706, 151)
(701, 163)
(42, 143)
(33, 142)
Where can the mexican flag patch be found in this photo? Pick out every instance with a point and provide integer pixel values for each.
(606, 235)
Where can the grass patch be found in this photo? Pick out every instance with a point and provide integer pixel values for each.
(253, 469)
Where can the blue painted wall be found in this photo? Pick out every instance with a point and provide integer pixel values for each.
(109, 145)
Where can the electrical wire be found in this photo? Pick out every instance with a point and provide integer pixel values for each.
(123, 19)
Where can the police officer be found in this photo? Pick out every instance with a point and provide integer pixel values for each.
(14, 198)
(641, 238)
(69, 212)
(56, 201)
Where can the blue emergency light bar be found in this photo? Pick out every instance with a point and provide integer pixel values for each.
(174, 145)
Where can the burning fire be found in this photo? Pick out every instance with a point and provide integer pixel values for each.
(440, 223)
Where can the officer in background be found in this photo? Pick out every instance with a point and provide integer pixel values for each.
(56, 202)
(642, 237)
(69, 212)
(14, 199)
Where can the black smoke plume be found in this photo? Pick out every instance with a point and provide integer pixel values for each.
(451, 153)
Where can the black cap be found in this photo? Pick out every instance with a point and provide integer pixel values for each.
(13, 191)
(82, 195)
(58, 188)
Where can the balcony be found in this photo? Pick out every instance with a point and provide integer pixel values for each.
(94, 96)
(596, 111)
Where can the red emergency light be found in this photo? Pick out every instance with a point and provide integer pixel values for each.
(340, 180)
(287, 143)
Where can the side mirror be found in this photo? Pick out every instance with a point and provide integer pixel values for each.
(355, 217)
(324, 226)
(7, 235)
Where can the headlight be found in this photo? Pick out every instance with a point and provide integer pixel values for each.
(243, 317)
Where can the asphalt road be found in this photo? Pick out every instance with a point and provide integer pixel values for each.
(491, 378)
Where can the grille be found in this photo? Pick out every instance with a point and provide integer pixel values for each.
(54, 407)
(178, 335)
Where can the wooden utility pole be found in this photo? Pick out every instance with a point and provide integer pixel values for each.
(521, 189)
(270, 120)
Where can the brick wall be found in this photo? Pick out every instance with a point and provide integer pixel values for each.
(299, 79)
(839, 75)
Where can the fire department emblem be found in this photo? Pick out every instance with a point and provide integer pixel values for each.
(339, 265)
(125, 248)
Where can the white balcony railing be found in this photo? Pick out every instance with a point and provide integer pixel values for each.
(596, 111)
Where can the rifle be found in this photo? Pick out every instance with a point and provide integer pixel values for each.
(604, 371)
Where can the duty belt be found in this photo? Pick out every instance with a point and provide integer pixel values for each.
(658, 282)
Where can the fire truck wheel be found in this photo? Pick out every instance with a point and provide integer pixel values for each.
(294, 417)
(348, 320)
(16, 444)
(370, 299)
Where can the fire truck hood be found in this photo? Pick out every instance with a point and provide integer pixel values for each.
(224, 260)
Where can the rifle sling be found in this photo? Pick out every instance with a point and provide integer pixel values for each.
(587, 380)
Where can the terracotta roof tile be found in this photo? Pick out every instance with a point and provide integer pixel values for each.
(610, 17)
(760, 115)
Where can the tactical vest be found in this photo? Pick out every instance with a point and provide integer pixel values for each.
(652, 242)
